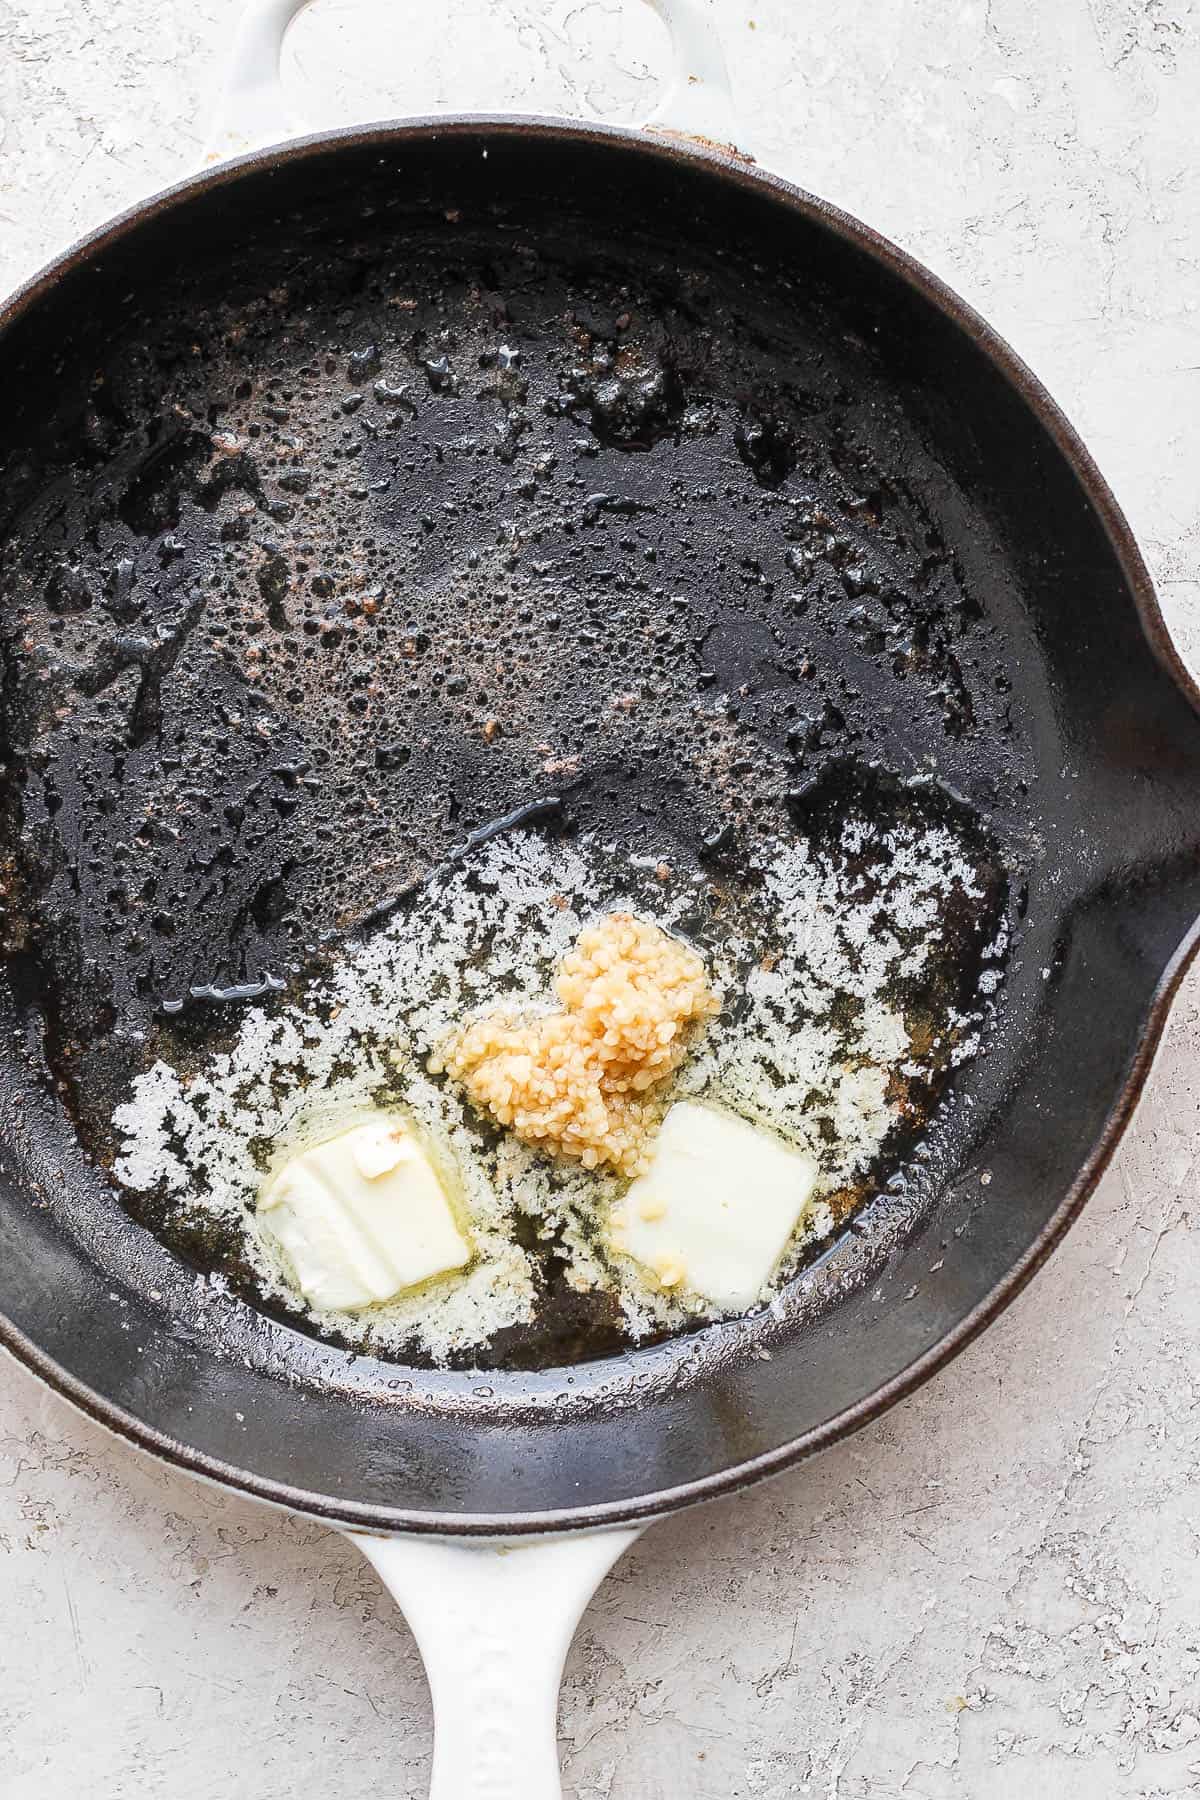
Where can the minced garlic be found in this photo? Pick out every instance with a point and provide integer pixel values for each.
(584, 1082)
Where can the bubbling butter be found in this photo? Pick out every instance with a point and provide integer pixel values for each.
(361, 1217)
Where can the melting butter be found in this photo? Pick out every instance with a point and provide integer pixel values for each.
(361, 1217)
(715, 1209)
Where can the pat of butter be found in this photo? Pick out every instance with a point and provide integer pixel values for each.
(361, 1217)
(715, 1209)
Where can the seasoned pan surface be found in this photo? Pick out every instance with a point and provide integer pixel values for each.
(391, 489)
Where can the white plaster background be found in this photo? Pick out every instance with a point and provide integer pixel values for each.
(994, 1593)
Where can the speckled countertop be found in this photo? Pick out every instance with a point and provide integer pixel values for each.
(994, 1593)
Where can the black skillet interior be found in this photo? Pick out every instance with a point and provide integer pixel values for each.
(335, 492)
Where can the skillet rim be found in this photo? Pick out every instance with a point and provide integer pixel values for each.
(732, 167)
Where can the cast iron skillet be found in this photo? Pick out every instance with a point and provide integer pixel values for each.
(563, 386)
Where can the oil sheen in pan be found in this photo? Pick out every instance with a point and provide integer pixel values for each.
(848, 959)
(414, 540)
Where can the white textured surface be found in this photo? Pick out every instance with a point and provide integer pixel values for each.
(992, 1594)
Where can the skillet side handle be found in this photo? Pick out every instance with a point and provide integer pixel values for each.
(253, 109)
(697, 102)
(493, 1623)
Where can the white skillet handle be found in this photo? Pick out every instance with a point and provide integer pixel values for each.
(253, 109)
(697, 102)
(493, 1623)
